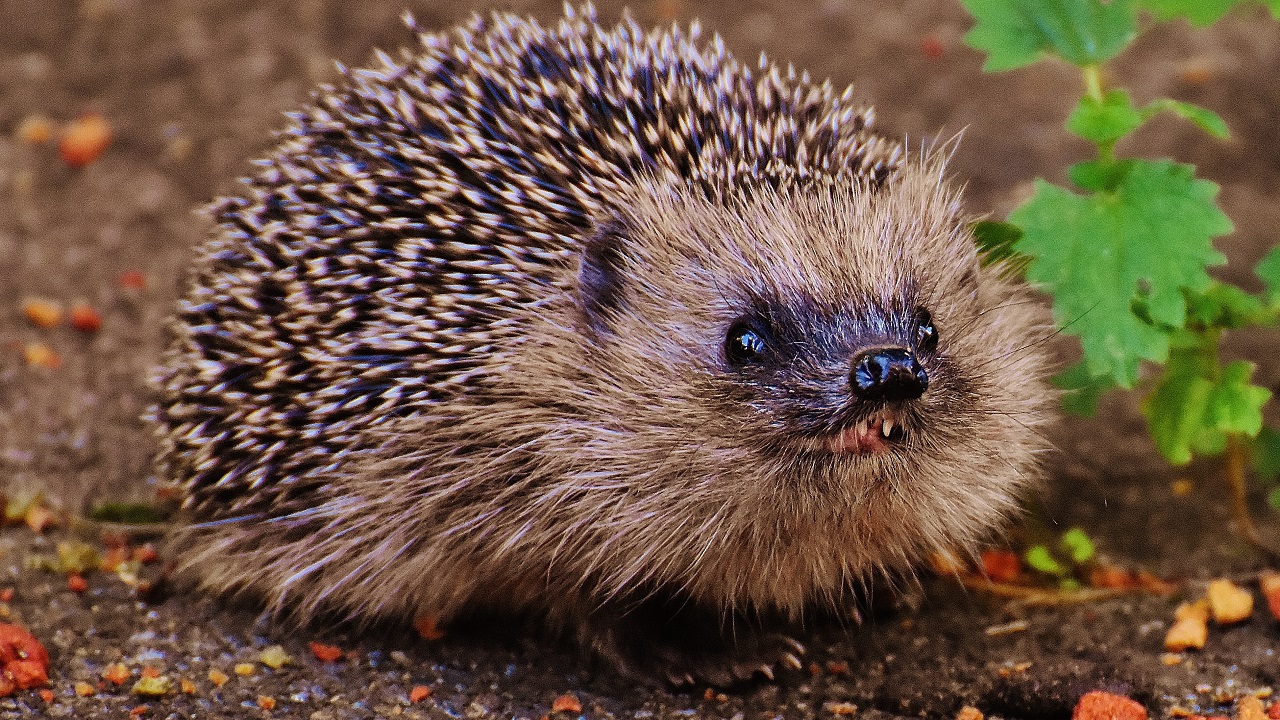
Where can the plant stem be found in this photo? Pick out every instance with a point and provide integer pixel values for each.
(1236, 459)
(1093, 81)
(1092, 75)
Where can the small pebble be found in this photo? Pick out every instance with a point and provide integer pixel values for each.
(35, 129)
(419, 693)
(325, 653)
(1190, 627)
(38, 354)
(1229, 602)
(116, 673)
(1249, 707)
(76, 583)
(1098, 705)
(274, 657)
(153, 686)
(84, 318)
(567, 703)
(42, 313)
(84, 139)
(1269, 582)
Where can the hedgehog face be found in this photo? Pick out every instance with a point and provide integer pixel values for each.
(807, 320)
(834, 355)
(842, 380)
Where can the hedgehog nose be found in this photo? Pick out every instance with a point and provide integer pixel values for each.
(887, 374)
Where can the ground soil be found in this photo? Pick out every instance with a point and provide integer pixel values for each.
(193, 90)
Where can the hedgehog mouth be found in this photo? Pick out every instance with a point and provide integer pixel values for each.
(873, 434)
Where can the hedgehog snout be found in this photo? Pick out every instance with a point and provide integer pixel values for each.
(887, 373)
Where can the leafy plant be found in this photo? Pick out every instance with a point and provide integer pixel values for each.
(1067, 563)
(1125, 252)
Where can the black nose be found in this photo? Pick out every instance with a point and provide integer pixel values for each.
(887, 374)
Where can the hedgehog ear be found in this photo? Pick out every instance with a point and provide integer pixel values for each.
(601, 276)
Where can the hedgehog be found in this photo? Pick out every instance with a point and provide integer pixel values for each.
(599, 328)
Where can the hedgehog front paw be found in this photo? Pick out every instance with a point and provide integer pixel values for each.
(691, 647)
(759, 656)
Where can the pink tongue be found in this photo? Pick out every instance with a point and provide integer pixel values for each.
(860, 440)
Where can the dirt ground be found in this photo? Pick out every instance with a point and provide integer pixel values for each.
(193, 89)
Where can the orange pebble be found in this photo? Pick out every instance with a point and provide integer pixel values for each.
(1229, 602)
(145, 554)
(76, 583)
(84, 318)
(325, 653)
(1270, 585)
(38, 354)
(35, 129)
(42, 313)
(567, 703)
(419, 693)
(1098, 705)
(84, 140)
(1249, 707)
(1000, 565)
(116, 673)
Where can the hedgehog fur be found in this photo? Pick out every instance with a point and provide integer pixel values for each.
(582, 324)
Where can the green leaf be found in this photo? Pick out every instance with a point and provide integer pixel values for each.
(1176, 406)
(1269, 270)
(1223, 305)
(1203, 118)
(1236, 403)
(132, 513)
(1101, 175)
(1195, 404)
(1094, 253)
(1081, 390)
(995, 246)
(1082, 32)
(1265, 455)
(1199, 12)
(1078, 546)
(1273, 497)
(1106, 120)
(1039, 558)
(995, 239)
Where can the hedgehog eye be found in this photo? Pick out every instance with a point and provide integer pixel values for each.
(743, 344)
(926, 332)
